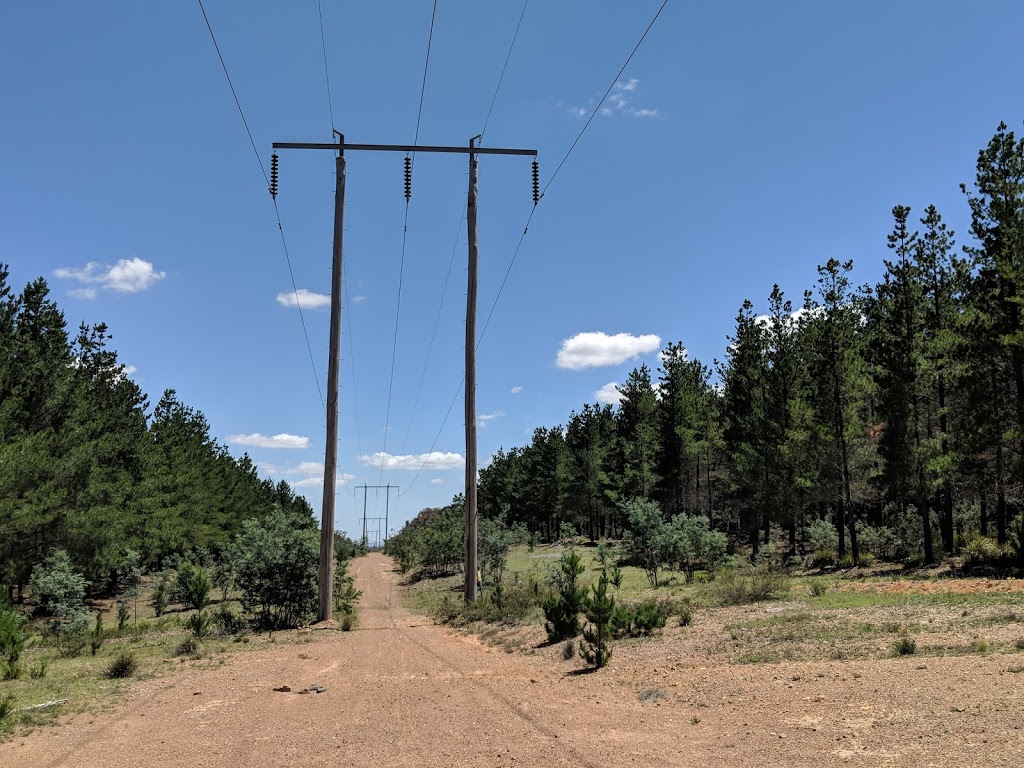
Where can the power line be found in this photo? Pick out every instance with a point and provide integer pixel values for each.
(551, 180)
(405, 235)
(444, 290)
(504, 67)
(327, 74)
(277, 212)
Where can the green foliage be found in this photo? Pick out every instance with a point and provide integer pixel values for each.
(96, 638)
(694, 544)
(6, 708)
(569, 649)
(58, 590)
(12, 641)
(752, 585)
(227, 621)
(38, 672)
(818, 587)
(432, 540)
(123, 615)
(199, 624)
(599, 608)
(638, 620)
(123, 665)
(563, 606)
(161, 595)
(345, 593)
(188, 647)
(650, 541)
(494, 541)
(276, 562)
(905, 646)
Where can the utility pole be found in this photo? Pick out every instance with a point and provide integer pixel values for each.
(470, 526)
(387, 506)
(330, 462)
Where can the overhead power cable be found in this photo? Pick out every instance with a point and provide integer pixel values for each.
(451, 261)
(558, 169)
(405, 236)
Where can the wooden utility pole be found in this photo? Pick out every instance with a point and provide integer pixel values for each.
(326, 602)
(470, 526)
(331, 458)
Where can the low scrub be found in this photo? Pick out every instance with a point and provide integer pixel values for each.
(123, 665)
(734, 587)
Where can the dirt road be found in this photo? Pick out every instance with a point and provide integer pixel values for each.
(403, 692)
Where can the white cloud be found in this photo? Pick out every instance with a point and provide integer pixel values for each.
(437, 481)
(84, 293)
(433, 461)
(516, 390)
(316, 481)
(127, 276)
(621, 101)
(484, 418)
(303, 298)
(128, 370)
(358, 299)
(257, 440)
(596, 349)
(609, 394)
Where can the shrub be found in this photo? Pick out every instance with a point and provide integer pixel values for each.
(599, 606)
(818, 587)
(69, 637)
(616, 577)
(980, 550)
(562, 608)
(822, 558)
(58, 590)
(199, 624)
(96, 638)
(227, 621)
(685, 616)
(821, 534)
(348, 622)
(276, 564)
(12, 641)
(650, 541)
(161, 593)
(695, 544)
(123, 665)
(38, 672)
(123, 614)
(905, 646)
(187, 647)
(754, 585)
(569, 650)
(647, 617)
(6, 708)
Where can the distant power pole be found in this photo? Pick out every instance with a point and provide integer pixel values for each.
(330, 461)
(387, 506)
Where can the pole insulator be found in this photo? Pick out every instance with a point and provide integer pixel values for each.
(408, 178)
(536, 181)
(273, 175)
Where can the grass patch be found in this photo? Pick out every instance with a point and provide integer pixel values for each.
(905, 646)
(123, 665)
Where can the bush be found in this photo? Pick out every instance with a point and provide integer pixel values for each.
(199, 625)
(227, 621)
(685, 616)
(96, 638)
(562, 608)
(599, 607)
(905, 646)
(569, 650)
(733, 587)
(276, 560)
(818, 587)
(980, 550)
(648, 617)
(58, 590)
(821, 534)
(12, 641)
(68, 637)
(650, 541)
(6, 708)
(123, 665)
(187, 647)
(38, 672)
(161, 594)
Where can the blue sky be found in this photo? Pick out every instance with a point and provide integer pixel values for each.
(746, 143)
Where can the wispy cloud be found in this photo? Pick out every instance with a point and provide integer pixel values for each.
(618, 102)
(437, 481)
(358, 299)
(597, 349)
(435, 460)
(484, 419)
(303, 298)
(127, 276)
(609, 394)
(516, 390)
(315, 481)
(258, 440)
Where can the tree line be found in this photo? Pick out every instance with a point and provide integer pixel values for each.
(890, 414)
(85, 467)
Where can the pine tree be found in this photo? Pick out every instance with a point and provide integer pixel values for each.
(599, 608)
